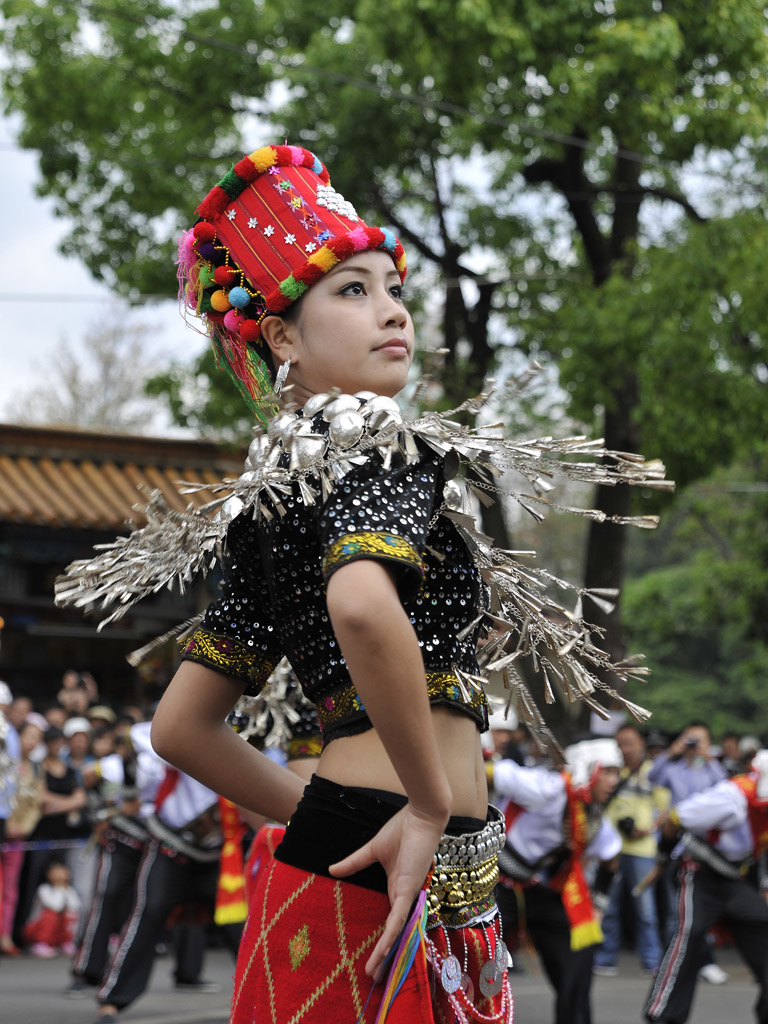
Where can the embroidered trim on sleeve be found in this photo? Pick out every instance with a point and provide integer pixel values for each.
(228, 655)
(338, 709)
(365, 544)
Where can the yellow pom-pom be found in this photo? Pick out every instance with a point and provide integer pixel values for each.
(324, 258)
(220, 301)
(264, 158)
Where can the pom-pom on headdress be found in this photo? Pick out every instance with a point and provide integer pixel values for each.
(267, 231)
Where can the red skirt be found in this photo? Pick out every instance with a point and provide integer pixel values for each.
(304, 949)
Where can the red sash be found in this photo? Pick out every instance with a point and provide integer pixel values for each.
(570, 881)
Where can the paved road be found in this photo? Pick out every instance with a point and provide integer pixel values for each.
(31, 993)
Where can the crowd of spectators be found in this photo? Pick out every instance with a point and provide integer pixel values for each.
(49, 805)
(660, 770)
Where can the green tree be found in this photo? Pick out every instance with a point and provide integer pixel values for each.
(701, 612)
(443, 117)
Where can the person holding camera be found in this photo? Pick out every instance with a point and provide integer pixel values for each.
(688, 767)
(634, 809)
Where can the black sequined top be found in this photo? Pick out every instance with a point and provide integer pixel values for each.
(273, 594)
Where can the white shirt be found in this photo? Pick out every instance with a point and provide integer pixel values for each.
(539, 829)
(189, 797)
(724, 807)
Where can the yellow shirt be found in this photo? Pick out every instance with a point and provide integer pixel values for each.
(639, 799)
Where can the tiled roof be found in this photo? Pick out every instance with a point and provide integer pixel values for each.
(68, 478)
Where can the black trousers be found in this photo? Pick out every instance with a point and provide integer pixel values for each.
(162, 883)
(110, 905)
(542, 914)
(704, 898)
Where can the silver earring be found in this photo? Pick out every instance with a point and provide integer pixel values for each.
(282, 376)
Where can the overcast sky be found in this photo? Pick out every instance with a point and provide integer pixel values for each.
(32, 269)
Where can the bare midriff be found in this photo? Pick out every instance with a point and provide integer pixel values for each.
(362, 761)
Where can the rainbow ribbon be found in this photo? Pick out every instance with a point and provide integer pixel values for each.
(411, 939)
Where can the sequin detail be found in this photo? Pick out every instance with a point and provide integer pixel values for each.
(386, 546)
(228, 655)
(273, 596)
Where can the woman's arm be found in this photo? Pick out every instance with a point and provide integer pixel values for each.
(189, 730)
(57, 803)
(385, 664)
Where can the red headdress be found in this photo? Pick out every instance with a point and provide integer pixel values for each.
(270, 228)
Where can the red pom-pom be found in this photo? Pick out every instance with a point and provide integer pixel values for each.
(309, 274)
(284, 156)
(204, 232)
(215, 203)
(225, 276)
(246, 169)
(342, 247)
(250, 330)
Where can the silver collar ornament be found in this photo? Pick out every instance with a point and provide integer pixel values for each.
(292, 454)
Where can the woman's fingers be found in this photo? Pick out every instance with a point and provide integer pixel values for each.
(395, 923)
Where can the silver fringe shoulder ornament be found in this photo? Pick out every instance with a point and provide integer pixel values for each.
(522, 619)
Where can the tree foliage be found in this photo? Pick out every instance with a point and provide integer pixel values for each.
(701, 612)
(542, 163)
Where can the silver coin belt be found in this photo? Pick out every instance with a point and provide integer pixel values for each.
(465, 874)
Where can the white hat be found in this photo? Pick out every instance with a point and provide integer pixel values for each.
(73, 725)
(585, 758)
(502, 719)
(747, 744)
(760, 766)
(6, 697)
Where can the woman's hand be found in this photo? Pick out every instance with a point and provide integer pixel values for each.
(405, 847)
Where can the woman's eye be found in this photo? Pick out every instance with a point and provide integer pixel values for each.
(353, 288)
(396, 291)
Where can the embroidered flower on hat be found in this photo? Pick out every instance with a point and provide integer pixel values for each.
(231, 214)
(269, 231)
(253, 223)
(289, 239)
(310, 247)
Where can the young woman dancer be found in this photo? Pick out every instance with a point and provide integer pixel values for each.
(349, 551)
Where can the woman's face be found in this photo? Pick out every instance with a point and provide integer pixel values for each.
(30, 738)
(353, 331)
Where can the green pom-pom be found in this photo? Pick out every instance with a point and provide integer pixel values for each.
(292, 289)
(205, 276)
(232, 185)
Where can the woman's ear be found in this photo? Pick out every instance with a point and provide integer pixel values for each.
(277, 334)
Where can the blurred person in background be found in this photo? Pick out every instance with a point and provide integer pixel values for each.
(77, 732)
(555, 825)
(27, 811)
(686, 767)
(634, 809)
(21, 706)
(729, 753)
(62, 821)
(721, 833)
(10, 752)
(51, 925)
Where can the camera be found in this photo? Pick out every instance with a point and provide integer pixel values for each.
(626, 826)
(691, 742)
